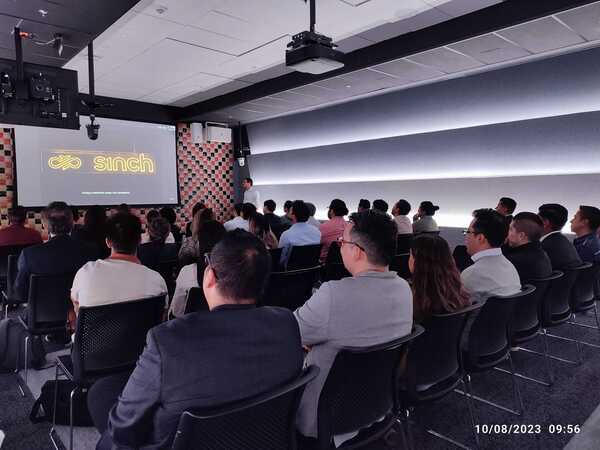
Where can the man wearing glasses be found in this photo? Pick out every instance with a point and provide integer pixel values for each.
(373, 306)
(491, 274)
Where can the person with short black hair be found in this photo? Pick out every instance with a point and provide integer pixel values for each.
(157, 250)
(585, 225)
(506, 206)
(559, 249)
(380, 205)
(272, 219)
(371, 307)
(491, 273)
(423, 221)
(169, 213)
(286, 219)
(312, 210)
(333, 229)
(400, 212)
(363, 205)
(238, 221)
(16, 233)
(183, 354)
(523, 248)
(248, 210)
(251, 195)
(94, 230)
(300, 233)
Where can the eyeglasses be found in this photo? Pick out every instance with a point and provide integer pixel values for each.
(465, 232)
(342, 241)
(207, 263)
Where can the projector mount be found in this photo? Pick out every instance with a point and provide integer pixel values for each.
(310, 37)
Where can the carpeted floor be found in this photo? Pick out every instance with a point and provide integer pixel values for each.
(571, 400)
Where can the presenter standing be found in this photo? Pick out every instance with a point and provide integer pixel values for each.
(251, 195)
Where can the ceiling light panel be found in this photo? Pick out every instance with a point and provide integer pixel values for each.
(542, 35)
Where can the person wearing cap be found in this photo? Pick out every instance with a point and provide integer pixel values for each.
(334, 227)
(423, 221)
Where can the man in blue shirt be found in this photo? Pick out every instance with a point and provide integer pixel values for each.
(300, 233)
(585, 225)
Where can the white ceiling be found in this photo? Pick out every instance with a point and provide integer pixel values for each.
(171, 51)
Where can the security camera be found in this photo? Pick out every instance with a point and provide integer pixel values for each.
(241, 161)
(93, 128)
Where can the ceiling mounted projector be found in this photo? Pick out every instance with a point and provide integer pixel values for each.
(311, 52)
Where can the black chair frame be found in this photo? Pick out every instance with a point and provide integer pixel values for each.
(8, 295)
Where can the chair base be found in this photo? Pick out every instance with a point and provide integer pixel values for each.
(554, 357)
(525, 377)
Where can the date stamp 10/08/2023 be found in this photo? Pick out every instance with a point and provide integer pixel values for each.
(516, 428)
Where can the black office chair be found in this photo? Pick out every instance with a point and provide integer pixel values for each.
(5, 252)
(47, 310)
(487, 343)
(303, 256)
(584, 296)
(400, 265)
(334, 268)
(264, 422)
(433, 369)
(169, 269)
(108, 339)
(403, 242)
(9, 296)
(361, 389)
(195, 301)
(275, 259)
(292, 288)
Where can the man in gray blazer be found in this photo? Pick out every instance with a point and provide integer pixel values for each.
(491, 274)
(373, 306)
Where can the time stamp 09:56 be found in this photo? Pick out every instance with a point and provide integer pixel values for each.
(527, 429)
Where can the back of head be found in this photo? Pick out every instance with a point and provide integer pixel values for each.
(59, 217)
(508, 203)
(338, 207)
(201, 217)
(197, 207)
(592, 215)
(159, 229)
(241, 264)
(428, 208)
(376, 233)
(555, 214)
(248, 209)
(312, 209)
(238, 208)
(169, 213)
(492, 225)
(364, 204)
(17, 215)
(75, 212)
(123, 208)
(403, 207)
(287, 205)
(151, 215)
(300, 210)
(270, 205)
(530, 224)
(259, 225)
(437, 287)
(212, 232)
(124, 231)
(380, 205)
(95, 218)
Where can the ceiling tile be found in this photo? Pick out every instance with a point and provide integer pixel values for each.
(316, 91)
(230, 86)
(267, 74)
(214, 41)
(427, 19)
(268, 55)
(490, 49)
(457, 8)
(584, 20)
(541, 35)
(445, 60)
(296, 99)
(408, 71)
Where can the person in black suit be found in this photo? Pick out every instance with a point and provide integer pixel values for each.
(274, 221)
(61, 254)
(156, 251)
(506, 206)
(523, 248)
(205, 359)
(559, 249)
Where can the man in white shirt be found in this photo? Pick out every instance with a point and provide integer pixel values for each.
(121, 277)
(238, 221)
(251, 195)
(300, 233)
(491, 274)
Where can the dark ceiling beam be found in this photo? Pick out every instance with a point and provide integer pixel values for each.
(493, 18)
(132, 110)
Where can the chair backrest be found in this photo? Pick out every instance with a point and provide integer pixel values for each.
(527, 316)
(275, 259)
(265, 422)
(49, 301)
(290, 289)
(109, 338)
(403, 242)
(488, 338)
(11, 275)
(195, 300)
(6, 251)
(556, 307)
(400, 265)
(360, 387)
(304, 256)
(584, 289)
(433, 357)
(168, 269)
(334, 266)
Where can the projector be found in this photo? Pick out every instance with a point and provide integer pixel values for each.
(314, 53)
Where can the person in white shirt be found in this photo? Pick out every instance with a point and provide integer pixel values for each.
(491, 274)
(238, 221)
(312, 210)
(150, 216)
(121, 277)
(300, 233)
(251, 195)
(400, 212)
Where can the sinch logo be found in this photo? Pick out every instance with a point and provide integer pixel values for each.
(97, 162)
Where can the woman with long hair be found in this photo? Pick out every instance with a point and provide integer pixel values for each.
(189, 250)
(93, 230)
(436, 283)
(259, 226)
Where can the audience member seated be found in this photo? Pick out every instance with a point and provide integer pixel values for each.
(150, 216)
(333, 229)
(436, 284)
(202, 359)
(169, 213)
(300, 233)
(286, 219)
(523, 248)
(251, 195)
(423, 221)
(363, 205)
(189, 251)
(238, 221)
(93, 230)
(312, 210)
(380, 205)
(121, 277)
(260, 227)
(197, 208)
(60, 255)
(400, 212)
(373, 306)
(273, 220)
(248, 210)
(491, 273)
(585, 226)
(76, 218)
(506, 206)
(157, 250)
(16, 233)
(559, 249)
(191, 275)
